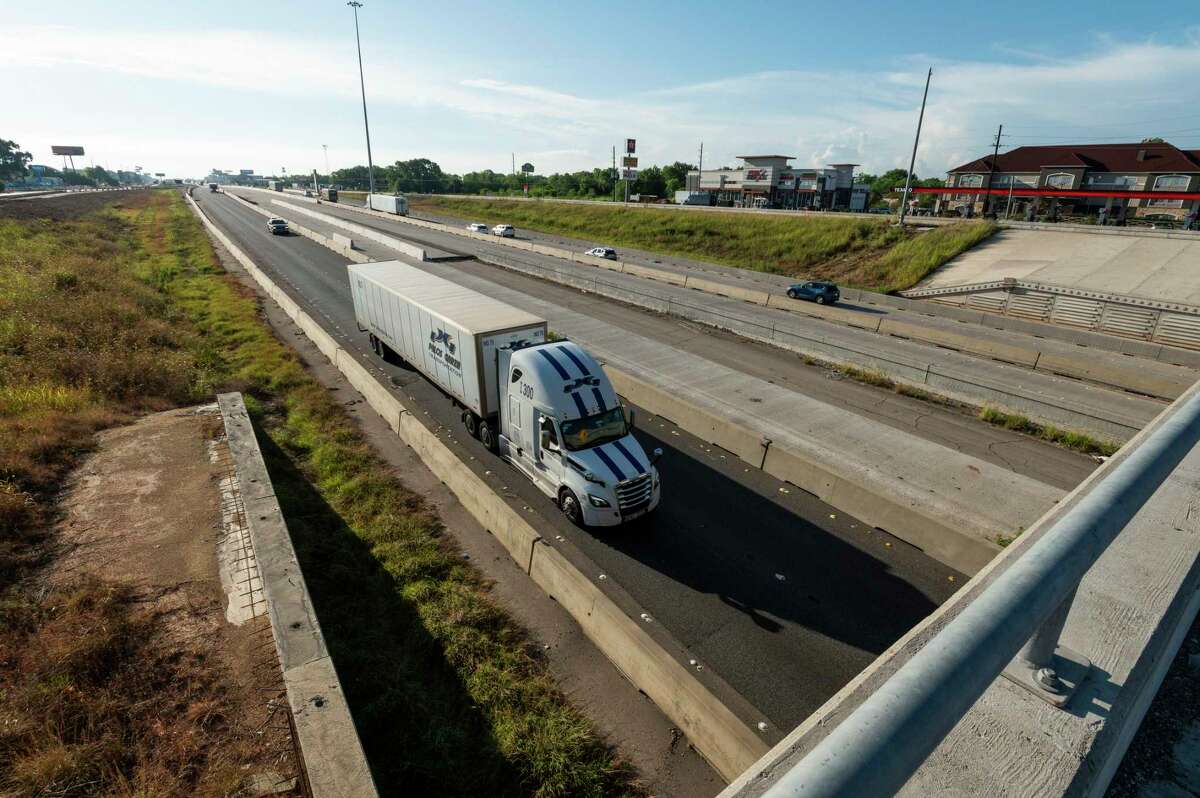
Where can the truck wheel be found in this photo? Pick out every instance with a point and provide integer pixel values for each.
(389, 355)
(375, 345)
(471, 423)
(486, 436)
(568, 502)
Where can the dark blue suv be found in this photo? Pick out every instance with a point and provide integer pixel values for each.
(823, 293)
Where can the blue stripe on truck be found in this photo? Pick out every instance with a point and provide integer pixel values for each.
(599, 399)
(579, 404)
(578, 363)
(562, 372)
(608, 461)
(620, 447)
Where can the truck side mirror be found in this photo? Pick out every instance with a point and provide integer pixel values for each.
(632, 418)
(656, 455)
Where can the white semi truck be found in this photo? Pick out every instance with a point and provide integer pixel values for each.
(545, 406)
(388, 203)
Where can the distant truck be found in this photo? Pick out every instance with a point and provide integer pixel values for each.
(275, 185)
(388, 203)
(329, 194)
(212, 186)
(545, 406)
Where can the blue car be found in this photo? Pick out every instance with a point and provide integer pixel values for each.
(819, 291)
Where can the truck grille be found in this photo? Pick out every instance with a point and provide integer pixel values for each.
(634, 494)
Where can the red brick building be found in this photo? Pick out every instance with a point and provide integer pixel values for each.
(1130, 180)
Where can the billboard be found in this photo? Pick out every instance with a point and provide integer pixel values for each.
(630, 146)
(59, 149)
(245, 171)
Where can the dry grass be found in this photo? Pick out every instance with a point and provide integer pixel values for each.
(96, 702)
(125, 309)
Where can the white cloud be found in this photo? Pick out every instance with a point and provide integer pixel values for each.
(818, 116)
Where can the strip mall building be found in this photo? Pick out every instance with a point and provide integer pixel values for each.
(1142, 180)
(768, 181)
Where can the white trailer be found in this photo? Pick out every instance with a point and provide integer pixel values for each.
(388, 203)
(447, 332)
(547, 407)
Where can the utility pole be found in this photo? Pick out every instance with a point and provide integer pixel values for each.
(913, 161)
(363, 87)
(614, 173)
(987, 201)
(700, 169)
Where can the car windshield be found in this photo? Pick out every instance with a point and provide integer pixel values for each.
(584, 433)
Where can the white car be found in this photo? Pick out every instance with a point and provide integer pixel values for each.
(504, 230)
(602, 252)
(478, 227)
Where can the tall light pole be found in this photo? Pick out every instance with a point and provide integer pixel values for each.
(325, 148)
(912, 161)
(363, 86)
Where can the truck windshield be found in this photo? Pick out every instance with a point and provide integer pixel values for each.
(584, 433)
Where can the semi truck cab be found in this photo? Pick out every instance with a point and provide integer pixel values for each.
(562, 424)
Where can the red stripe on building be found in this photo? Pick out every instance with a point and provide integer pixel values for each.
(1054, 192)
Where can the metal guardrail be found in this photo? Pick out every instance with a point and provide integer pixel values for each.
(879, 746)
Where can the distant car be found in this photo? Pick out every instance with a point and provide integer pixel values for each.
(308, 192)
(478, 227)
(819, 291)
(504, 230)
(278, 227)
(602, 252)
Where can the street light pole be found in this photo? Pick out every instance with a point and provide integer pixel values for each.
(325, 148)
(913, 161)
(363, 87)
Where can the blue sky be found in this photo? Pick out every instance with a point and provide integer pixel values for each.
(263, 85)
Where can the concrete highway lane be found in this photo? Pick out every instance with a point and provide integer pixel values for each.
(951, 427)
(783, 597)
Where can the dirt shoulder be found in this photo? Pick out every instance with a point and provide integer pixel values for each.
(156, 684)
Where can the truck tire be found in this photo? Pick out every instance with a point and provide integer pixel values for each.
(375, 345)
(389, 355)
(487, 436)
(568, 502)
(471, 422)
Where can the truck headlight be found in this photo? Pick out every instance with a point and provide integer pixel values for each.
(597, 501)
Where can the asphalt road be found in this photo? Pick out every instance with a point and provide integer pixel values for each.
(954, 428)
(782, 596)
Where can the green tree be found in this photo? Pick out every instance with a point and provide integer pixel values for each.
(650, 181)
(419, 175)
(1153, 140)
(675, 177)
(12, 160)
(101, 176)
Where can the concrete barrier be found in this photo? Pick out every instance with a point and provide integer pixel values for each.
(331, 753)
(837, 481)
(1129, 616)
(345, 241)
(346, 249)
(726, 742)
(400, 246)
(1096, 366)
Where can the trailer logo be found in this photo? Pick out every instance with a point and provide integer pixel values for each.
(445, 355)
(575, 385)
(442, 337)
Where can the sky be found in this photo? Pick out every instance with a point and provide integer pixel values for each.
(183, 87)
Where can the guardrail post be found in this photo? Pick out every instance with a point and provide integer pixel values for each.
(1050, 671)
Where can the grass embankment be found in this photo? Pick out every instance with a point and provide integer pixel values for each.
(866, 252)
(127, 310)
